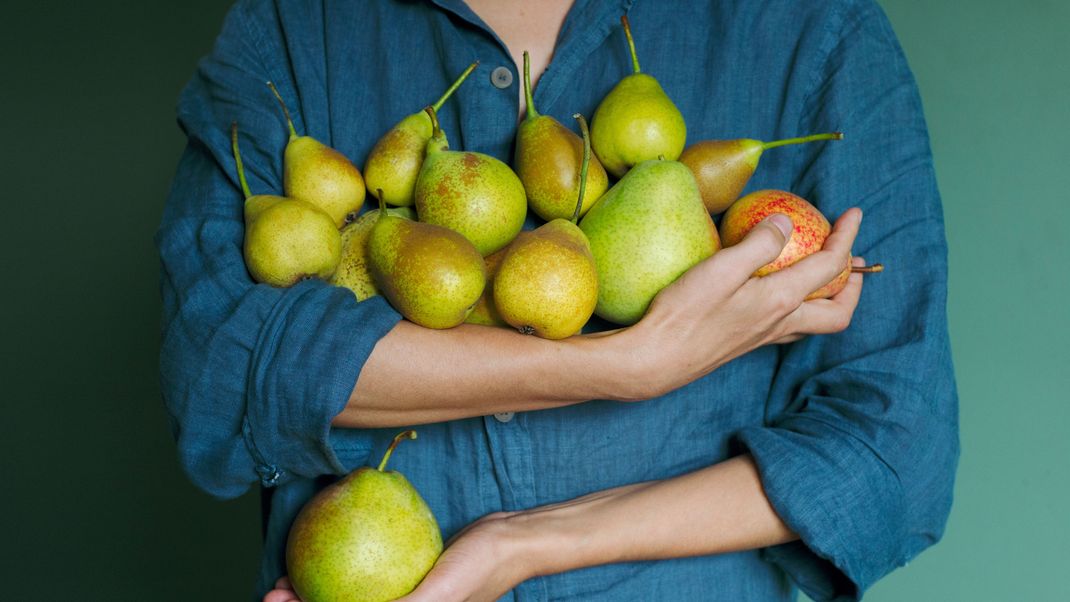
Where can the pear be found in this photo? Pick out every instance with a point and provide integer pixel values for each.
(636, 121)
(547, 284)
(352, 272)
(485, 313)
(286, 240)
(811, 228)
(395, 160)
(645, 232)
(318, 174)
(548, 157)
(471, 193)
(722, 168)
(370, 537)
(432, 275)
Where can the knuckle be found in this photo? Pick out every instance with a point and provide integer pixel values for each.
(783, 300)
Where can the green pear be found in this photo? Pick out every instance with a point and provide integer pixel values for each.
(286, 240)
(547, 284)
(650, 228)
(352, 272)
(370, 537)
(722, 168)
(470, 193)
(318, 174)
(395, 160)
(432, 275)
(548, 158)
(636, 121)
(485, 313)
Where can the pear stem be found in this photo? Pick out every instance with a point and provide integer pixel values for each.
(583, 166)
(869, 269)
(456, 84)
(382, 203)
(436, 131)
(237, 159)
(813, 138)
(631, 42)
(285, 111)
(390, 450)
(531, 113)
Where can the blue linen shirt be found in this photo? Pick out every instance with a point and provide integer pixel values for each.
(854, 434)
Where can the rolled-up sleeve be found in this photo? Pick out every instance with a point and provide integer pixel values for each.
(859, 451)
(251, 375)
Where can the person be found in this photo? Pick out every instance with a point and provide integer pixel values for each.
(738, 443)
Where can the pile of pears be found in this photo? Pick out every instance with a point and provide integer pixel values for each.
(627, 208)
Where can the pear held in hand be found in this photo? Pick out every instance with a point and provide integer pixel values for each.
(548, 158)
(811, 228)
(722, 168)
(471, 193)
(547, 284)
(650, 228)
(394, 162)
(370, 537)
(636, 121)
(286, 240)
(432, 275)
(318, 174)
(353, 272)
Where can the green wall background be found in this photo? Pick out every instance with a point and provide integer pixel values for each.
(93, 505)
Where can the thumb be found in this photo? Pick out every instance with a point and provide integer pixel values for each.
(760, 246)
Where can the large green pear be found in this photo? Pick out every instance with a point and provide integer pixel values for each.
(636, 121)
(646, 231)
(370, 537)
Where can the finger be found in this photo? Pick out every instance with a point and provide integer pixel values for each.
(762, 245)
(284, 583)
(280, 595)
(818, 269)
(827, 316)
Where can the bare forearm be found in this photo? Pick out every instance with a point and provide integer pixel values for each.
(419, 376)
(715, 510)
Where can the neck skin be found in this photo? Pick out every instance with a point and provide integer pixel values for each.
(531, 25)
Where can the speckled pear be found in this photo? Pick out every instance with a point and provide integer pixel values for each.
(548, 158)
(722, 168)
(485, 313)
(636, 121)
(470, 193)
(370, 537)
(318, 174)
(394, 162)
(352, 272)
(645, 232)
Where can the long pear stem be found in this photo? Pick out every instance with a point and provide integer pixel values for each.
(583, 166)
(869, 269)
(237, 159)
(456, 84)
(631, 42)
(285, 111)
(393, 444)
(531, 113)
(813, 138)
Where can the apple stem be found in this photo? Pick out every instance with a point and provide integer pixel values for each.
(869, 269)
(237, 159)
(453, 87)
(531, 113)
(285, 111)
(583, 166)
(631, 42)
(410, 434)
(813, 138)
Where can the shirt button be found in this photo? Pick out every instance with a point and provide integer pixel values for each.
(501, 77)
(504, 417)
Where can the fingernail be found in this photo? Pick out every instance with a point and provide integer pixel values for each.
(782, 222)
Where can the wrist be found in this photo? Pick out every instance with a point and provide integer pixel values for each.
(619, 366)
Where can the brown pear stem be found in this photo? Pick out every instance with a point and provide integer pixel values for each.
(583, 166)
(393, 444)
(237, 159)
(631, 42)
(382, 203)
(531, 113)
(436, 131)
(804, 139)
(285, 111)
(869, 269)
(453, 87)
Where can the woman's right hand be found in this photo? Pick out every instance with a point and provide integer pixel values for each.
(718, 311)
